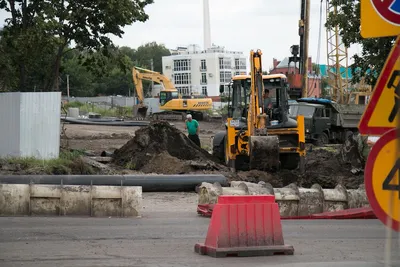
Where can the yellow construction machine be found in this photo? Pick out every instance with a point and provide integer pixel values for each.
(255, 139)
(173, 105)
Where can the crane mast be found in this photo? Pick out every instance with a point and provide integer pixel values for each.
(337, 58)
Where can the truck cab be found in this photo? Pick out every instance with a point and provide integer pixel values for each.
(317, 120)
(327, 121)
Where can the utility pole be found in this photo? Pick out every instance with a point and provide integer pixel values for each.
(68, 86)
(304, 69)
(152, 83)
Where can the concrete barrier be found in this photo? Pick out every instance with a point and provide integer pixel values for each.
(70, 200)
(292, 200)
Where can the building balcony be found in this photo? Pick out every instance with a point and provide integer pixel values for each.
(202, 82)
(203, 69)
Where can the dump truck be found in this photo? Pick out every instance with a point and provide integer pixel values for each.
(327, 121)
(173, 105)
(257, 137)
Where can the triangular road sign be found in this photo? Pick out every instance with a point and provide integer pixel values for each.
(383, 109)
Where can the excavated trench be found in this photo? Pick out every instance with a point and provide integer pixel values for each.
(163, 149)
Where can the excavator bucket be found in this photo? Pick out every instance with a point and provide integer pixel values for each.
(264, 152)
(139, 111)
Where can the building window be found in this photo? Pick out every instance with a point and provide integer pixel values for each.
(204, 90)
(225, 76)
(183, 90)
(182, 65)
(237, 73)
(182, 78)
(225, 63)
(203, 78)
(240, 63)
(203, 65)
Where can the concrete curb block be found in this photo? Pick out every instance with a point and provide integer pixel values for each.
(292, 200)
(70, 200)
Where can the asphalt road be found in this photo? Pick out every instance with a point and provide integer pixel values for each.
(167, 239)
(162, 239)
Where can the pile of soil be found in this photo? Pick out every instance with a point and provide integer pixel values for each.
(326, 167)
(162, 148)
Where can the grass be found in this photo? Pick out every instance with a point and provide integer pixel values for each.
(69, 162)
(105, 112)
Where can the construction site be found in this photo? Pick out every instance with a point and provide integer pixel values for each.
(281, 163)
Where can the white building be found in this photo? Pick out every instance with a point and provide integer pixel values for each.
(202, 71)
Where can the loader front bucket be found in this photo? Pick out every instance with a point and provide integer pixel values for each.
(139, 111)
(264, 153)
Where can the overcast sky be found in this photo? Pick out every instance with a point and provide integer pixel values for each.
(271, 25)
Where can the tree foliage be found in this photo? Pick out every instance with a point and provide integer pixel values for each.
(36, 30)
(370, 61)
(92, 74)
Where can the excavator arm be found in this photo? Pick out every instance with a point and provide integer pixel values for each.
(263, 149)
(140, 110)
(149, 75)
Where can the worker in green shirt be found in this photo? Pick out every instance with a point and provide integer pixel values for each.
(193, 129)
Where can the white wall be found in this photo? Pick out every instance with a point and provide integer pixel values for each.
(30, 124)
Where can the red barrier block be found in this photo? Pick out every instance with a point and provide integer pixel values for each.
(244, 226)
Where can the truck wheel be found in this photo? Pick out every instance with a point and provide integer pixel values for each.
(322, 139)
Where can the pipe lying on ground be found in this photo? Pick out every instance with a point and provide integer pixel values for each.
(149, 183)
(105, 122)
(292, 200)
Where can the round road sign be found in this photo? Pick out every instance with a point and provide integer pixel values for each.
(388, 10)
(382, 179)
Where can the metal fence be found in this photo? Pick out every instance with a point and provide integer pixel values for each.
(105, 101)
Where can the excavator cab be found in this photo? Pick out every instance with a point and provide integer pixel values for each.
(166, 96)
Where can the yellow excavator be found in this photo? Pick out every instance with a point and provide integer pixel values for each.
(173, 105)
(258, 137)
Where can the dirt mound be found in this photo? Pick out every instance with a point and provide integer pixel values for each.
(162, 148)
(324, 166)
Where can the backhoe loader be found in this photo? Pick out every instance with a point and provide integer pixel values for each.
(174, 106)
(258, 137)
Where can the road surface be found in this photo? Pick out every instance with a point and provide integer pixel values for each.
(165, 239)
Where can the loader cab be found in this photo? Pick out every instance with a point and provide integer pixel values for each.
(166, 96)
(239, 96)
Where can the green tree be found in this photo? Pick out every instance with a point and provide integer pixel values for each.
(371, 60)
(87, 24)
(150, 51)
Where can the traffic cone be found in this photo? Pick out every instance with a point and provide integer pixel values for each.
(244, 226)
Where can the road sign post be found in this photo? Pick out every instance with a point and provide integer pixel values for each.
(380, 18)
(382, 179)
(383, 109)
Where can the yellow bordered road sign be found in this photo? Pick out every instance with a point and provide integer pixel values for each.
(382, 179)
(380, 18)
(383, 108)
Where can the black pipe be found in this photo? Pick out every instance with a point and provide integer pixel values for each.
(149, 183)
(108, 123)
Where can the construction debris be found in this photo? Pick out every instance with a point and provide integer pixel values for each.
(292, 200)
(162, 148)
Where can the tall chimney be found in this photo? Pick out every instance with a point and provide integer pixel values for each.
(206, 25)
